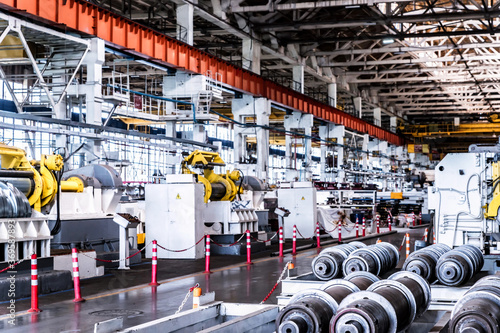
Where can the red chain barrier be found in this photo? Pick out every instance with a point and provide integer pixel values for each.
(169, 250)
(11, 266)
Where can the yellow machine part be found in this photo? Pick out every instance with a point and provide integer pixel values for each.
(72, 184)
(494, 204)
(207, 160)
(45, 182)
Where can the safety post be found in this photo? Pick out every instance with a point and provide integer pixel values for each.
(340, 232)
(407, 245)
(294, 240)
(364, 227)
(420, 217)
(154, 264)
(357, 227)
(426, 233)
(318, 241)
(379, 240)
(34, 284)
(281, 242)
(413, 218)
(389, 222)
(249, 248)
(378, 224)
(207, 254)
(433, 236)
(196, 297)
(76, 276)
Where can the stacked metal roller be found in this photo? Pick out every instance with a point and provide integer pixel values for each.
(459, 265)
(479, 309)
(328, 264)
(388, 306)
(311, 310)
(423, 262)
(377, 259)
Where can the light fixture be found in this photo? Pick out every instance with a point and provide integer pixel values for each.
(386, 41)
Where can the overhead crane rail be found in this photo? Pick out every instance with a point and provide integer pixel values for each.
(131, 37)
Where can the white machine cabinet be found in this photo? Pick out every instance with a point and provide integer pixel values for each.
(300, 200)
(175, 217)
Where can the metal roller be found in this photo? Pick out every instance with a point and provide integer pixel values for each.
(423, 262)
(328, 264)
(13, 203)
(311, 310)
(459, 265)
(388, 306)
(377, 259)
(479, 309)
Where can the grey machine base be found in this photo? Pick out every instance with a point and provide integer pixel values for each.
(237, 249)
(48, 282)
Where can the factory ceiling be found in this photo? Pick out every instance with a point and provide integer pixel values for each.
(428, 62)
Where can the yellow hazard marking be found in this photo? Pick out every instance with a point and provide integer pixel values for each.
(178, 197)
(303, 198)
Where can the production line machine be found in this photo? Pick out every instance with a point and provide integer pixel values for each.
(183, 208)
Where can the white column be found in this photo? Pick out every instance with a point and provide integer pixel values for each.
(92, 89)
(185, 23)
(358, 107)
(332, 94)
(251, 55)
(307, 122)
(393, 124)
(263, 110)
(339, 134)
(244, 107)
(298, 78)
(377, 116)
(366, 147)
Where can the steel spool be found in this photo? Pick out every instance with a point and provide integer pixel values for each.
(479, 309)
(459, 265)
(13, 203)
(377, 259)
(311, 310)
(328, 264)
(387, 306)
(423, 262)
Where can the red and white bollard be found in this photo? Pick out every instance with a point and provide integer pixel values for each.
(34, 285)
(249, 248)
(426, 233)
(318, 241)
(76, 276)
(281, 241)
(364, 227)
(340, 232)
(378, 224)
(357, 229)
(294, 240)
(154, 264)
(407, 245)
(420, 218)
(433, 236)
(207, 254)
(389, 224)
(413, 218)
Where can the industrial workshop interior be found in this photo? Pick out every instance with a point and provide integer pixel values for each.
(289, 166)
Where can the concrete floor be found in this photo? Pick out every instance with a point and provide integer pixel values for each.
(126, 293)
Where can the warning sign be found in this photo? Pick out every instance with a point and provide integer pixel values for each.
(178, 197)
(303, 198)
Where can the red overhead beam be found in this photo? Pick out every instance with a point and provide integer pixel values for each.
(132, 37)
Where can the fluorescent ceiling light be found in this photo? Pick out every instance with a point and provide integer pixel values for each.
(387, 40)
